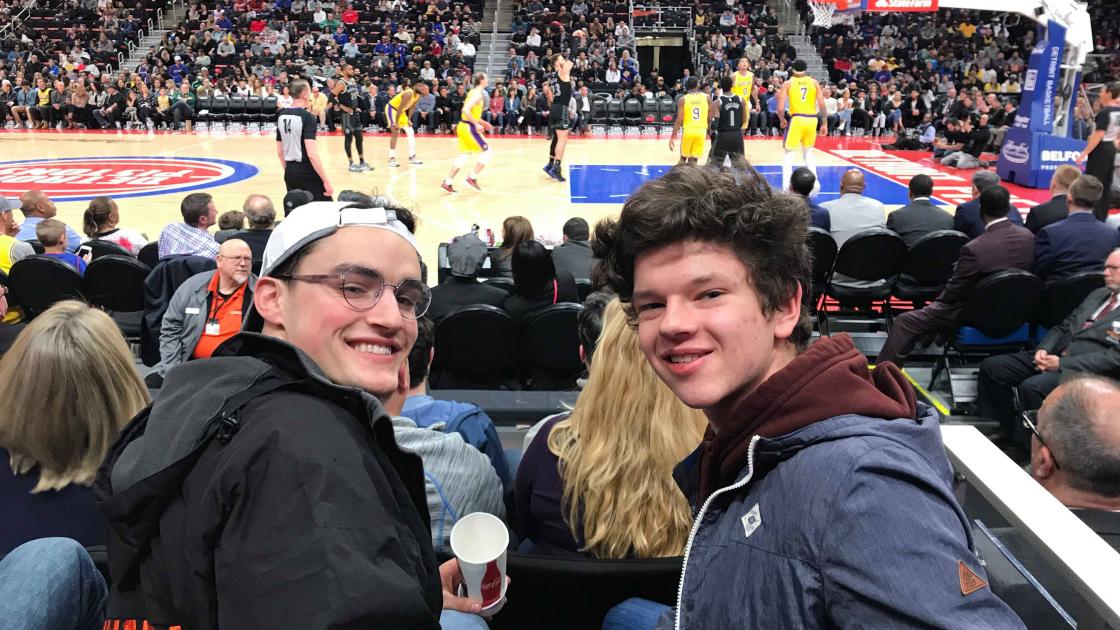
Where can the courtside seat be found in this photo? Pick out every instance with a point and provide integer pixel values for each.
(475, 348)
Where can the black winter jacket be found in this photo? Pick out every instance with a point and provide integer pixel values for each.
(293, 509)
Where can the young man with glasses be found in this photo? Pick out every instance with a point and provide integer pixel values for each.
(264, 487)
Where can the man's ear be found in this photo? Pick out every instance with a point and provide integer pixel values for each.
(787, 314)
(266, 301)
(1042, 463)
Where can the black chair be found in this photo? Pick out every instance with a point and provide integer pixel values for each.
(202, 103)
(584, 287)
(667, 109)
(929, 265)
(236, 112)
(116, 284)
(219, 110)
(823, 248)
(632, 111)
(254, 110)
(36, 246)
(599, 111)
(651, 115)
(504, 284)
(99, 248)
(590, 589)
(875, 256)
(149, 254)
(614, 112)
(550, 344)
(1066, 294)
(475, 347)
(269, 109)
(996, 317)
(39, 281)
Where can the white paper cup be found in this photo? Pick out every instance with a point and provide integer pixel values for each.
(479, 541)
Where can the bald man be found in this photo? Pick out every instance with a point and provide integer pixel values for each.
(261, 215)
(207, 309)
(36, 206)
(852, 212)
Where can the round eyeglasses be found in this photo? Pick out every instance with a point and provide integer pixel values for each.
(362, 289)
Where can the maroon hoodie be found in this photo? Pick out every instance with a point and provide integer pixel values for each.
(829, 379)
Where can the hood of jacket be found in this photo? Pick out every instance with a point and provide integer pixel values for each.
(828, 380)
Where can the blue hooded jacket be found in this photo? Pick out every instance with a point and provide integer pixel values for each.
(844, 522)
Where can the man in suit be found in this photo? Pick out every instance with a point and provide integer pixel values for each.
(967, 219)
(1003, 245)
(1084, 342)
(853, 213)
(465, 255)
(574, 255)
(801, 183)
(1054, 210)
(1079, 242)
(920, 217)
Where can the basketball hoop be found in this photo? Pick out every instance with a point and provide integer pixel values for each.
(822, 12)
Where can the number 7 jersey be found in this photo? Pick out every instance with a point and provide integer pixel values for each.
(802, 96)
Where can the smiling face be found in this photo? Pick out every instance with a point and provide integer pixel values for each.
(701, 324)
(363, 349)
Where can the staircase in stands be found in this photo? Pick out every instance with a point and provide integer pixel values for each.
(493, 51)
(797, 32)
(171, 18)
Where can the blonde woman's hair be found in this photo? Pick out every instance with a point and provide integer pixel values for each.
(69, 385)
(617, 451)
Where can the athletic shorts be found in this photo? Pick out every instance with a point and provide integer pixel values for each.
(692, 145)
(301, 176)
(801, 132)
(402, 119)
(727, 143)
(558, 117)
(470, 139)
(351, 121)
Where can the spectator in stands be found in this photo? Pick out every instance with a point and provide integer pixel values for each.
(802, 182)
(536, 283)
(100, 222)
(51, 234)
(1083, 342)
(12, 249)
(967, 217)
(182, 106)
(920, 216)
(10, 327)
(968, 155)
(51, 583)
(208, 308)
(1055, 209)
(582, 473)
(229, 223)
(574, 254)
(1075, 451)
(464, 255)
(109, 115)
(71, 385)
(261, 215)
(191, 236)
(1003, 245)
(515, 231)
(1079, 242)
(712, 265)
(853, 213)
(36, 206)
(320, 457)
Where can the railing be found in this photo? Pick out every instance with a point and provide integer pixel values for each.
(20, 15)
(658, 19)
(1074, 552)
(493, 38)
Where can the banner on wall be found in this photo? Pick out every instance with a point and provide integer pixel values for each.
(901, 5)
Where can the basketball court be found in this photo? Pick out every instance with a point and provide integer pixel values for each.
(149, 173)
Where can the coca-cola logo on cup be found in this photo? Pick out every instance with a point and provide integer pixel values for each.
(81, 179)
(491, 584)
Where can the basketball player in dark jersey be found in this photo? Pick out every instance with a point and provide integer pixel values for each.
(1099, 156)
(348, 95)
(558, 90)
(729, 125)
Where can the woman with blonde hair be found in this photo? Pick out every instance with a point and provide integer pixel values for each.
(599, 481)
(515, 231)
(69, 385)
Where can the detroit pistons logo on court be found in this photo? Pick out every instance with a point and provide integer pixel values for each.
(80, 179)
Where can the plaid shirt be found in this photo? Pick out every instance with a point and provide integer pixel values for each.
(180, 238)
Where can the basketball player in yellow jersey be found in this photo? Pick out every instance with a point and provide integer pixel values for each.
(805, 100)
(471, 138)
(398, 111)
(743, 86)
(694, 114)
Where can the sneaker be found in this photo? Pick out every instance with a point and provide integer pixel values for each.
(474, 183)
(412, 160)
(394, 163)
(364, 167)
(354, 168)
(448, 187)
(558, 176)
(548, 170)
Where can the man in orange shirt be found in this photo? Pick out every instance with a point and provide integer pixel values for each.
(207, 309)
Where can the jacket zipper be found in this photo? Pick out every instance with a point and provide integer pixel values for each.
(700, 518)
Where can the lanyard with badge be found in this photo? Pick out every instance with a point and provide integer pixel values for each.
(213, 325)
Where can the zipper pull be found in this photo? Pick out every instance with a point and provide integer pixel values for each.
(227, 427)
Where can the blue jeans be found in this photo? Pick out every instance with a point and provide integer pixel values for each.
(638, 614)
(454, 620)
(51, 583)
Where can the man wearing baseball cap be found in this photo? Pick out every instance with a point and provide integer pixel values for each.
(264, 487)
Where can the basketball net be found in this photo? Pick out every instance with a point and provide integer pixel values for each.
(822, 13)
